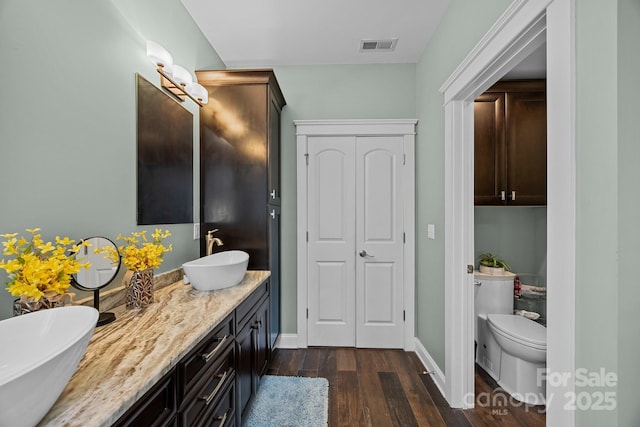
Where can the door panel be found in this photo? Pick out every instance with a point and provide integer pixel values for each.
(331, 247)
(378, 293)
(274, 267)
(332, 295)
(489, 149)
(379, 242)
(527, 147)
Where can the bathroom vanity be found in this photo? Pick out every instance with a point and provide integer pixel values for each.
(191, 358)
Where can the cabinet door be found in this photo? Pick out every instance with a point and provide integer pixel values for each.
(489, 149)
(526, 126)
(274, 267)
(261, 335)
(274, 153)
(244, 367)
(233, 169)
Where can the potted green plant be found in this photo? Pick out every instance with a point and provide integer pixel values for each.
(491, 264)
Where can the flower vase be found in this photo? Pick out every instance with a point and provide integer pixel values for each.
(25, 307)
(140, 289)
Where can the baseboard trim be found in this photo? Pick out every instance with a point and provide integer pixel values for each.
(287, 341)
(431, 366)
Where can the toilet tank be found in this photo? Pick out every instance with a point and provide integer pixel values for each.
(493, 293)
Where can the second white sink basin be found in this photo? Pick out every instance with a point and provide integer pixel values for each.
(40, 352)
(217, 271)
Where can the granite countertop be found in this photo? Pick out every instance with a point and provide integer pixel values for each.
(127, 357)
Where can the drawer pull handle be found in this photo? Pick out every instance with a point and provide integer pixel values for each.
(208, 356)
(208, 399)
(223, 419)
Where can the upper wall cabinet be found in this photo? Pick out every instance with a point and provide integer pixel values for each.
(510, 128)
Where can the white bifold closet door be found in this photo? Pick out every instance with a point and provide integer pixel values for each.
(355, 242)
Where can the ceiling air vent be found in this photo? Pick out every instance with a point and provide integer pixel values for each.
(385, 45)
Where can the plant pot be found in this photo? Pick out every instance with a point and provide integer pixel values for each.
(26, 307)
(140, 289)
(493, 271)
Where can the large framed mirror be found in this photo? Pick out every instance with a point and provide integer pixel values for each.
(101, 272)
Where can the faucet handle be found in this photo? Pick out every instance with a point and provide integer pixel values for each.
(210, 232)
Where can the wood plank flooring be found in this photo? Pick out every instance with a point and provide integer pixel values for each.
(390, 388)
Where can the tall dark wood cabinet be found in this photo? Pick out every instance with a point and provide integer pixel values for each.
(240, 169)
(510, 131)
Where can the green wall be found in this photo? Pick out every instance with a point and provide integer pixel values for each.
(597, 195)
(628, 211)
(68, 114)
(517, 234)
(462, 26)
(330, 92)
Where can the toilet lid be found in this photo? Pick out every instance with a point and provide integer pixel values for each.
(522, 329)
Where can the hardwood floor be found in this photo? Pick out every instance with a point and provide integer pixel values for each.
(390, 388)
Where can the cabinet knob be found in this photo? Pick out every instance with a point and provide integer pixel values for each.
(273, 194)
(273, 214)
(513, 195)
(503, 195)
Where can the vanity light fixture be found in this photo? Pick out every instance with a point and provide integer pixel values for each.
(174, 78)
(181, 75)
(159, 55)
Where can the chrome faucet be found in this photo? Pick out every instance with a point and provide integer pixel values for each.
(212, 241)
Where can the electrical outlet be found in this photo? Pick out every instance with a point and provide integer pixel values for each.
(431, 231)
(196, 231)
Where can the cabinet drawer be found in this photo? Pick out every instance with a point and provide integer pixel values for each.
(156, 408)
(203, 357)
(208, 390)
(245, 310)
(224, 413)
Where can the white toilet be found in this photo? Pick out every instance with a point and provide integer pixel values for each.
(510, 348)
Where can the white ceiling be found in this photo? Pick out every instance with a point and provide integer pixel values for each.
(249, 33)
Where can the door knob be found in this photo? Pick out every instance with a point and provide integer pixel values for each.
(364, 253)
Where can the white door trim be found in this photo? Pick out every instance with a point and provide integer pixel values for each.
(404, 127)
(523, 26)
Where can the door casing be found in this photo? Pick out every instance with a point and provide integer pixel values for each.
(403, 127)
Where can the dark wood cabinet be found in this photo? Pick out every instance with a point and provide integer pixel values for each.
(204, 373)
(194, 392)
(510, 128)
(252, 347)
(157, 408)
(240, 168)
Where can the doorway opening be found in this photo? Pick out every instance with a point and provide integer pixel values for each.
(518, 32)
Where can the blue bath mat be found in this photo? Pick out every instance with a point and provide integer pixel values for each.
(289, 401)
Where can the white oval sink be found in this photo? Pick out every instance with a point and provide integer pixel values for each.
(217, 271)
(40, 352)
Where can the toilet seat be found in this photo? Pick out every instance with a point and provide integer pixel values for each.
(519, 329)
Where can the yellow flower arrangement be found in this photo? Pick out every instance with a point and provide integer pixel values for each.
(40, 269)
(138, 253)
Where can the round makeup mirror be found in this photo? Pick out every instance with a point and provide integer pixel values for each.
(101, 272)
